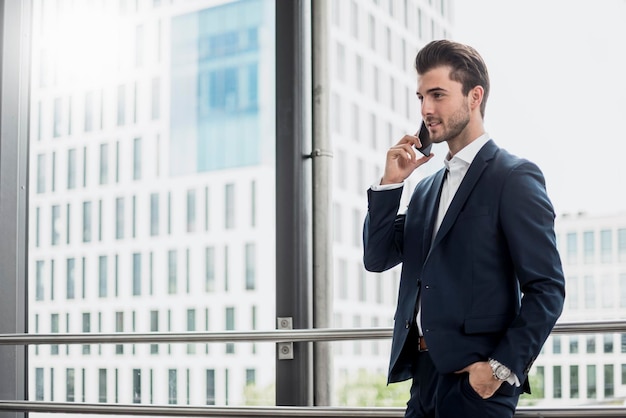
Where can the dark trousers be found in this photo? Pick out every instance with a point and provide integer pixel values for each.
(435, 395)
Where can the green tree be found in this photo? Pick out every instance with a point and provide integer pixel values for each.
(369, 389)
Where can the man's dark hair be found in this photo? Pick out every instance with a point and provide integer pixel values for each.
(467, 66)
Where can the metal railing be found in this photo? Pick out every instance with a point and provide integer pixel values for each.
(277, 336)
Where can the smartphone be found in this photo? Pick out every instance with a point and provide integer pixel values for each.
(424, 137)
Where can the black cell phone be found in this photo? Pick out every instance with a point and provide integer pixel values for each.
(424, 137)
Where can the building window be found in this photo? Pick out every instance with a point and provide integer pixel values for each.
(621, 244)
(172, 272)
(54, 328)
(609, 386)
(556, 344)
(230, 326)
(191, 327)
(557, 386)
(572, 292)
(191, 211)
(39, 288)
(119, 218)
(86, 329)
(136, 274)
(588, 246)
(102, 276)
(69, 385)
(608, 343)
(39, 389)
(172, 387)
(103, 177)
(209, 269)
(572, 247)
(154, 327)
(210, 387)
(606, 245)
(229, 206)
(87, 221)
(591, 344)
(71, 169)
(136, 385)
(591, 381)
(573, 344)
(250, 255)
(55, 235)
(119, 327)
(102, 385)
(154, 214)
(137, 159)
(573, 382)
(70, 278)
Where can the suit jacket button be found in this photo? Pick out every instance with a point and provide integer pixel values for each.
(407, 324)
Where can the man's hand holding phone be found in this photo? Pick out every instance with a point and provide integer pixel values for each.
(403, 159)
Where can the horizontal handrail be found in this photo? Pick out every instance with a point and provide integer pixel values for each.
(278, 411)
(296, 335)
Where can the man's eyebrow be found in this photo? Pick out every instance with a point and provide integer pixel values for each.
(433, 90)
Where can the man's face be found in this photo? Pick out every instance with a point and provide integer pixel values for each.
(445, 109)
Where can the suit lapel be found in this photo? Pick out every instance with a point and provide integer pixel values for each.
(467, 185)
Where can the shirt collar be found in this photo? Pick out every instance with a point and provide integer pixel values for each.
(467, 153)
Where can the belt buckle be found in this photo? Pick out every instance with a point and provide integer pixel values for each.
(419, 344)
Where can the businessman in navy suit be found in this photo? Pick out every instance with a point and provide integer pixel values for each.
(481, 284)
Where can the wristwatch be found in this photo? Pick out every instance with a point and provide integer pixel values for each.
(500, 371)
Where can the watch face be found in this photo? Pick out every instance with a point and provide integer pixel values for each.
(502, 372)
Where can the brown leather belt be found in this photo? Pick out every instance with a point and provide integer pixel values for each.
(421, 342)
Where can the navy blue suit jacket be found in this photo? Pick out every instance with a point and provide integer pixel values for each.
(491, 282)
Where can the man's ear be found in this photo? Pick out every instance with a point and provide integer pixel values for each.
(476, 96)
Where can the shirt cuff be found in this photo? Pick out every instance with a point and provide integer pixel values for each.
(383, 187)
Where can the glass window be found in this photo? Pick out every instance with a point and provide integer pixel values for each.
(191, 210)
(154, 214)
(609, 384)
(104, 164)
(136, 385)
(557, 387)
(102, 385)
(87, 222)
(86, 328)
(119, 218)
(210, 387)
(230, 325)
(229, 206)
(102, 276)
(71, 169)
(172, 386)
(621, 244)
(250, 258)
(172, 269)
(70, 383)
(574, 381)
(136, 274)
(606, 245)
(191, 326)
(589, 246)
(209, 269)
(572, 247)
(70, 278)
(137, 160)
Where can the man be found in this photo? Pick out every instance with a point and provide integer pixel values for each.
(482, 284)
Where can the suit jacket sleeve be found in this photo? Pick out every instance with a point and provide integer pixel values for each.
(383, 230)
(527, 220)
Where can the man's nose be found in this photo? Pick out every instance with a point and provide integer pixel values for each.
(426, 107)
